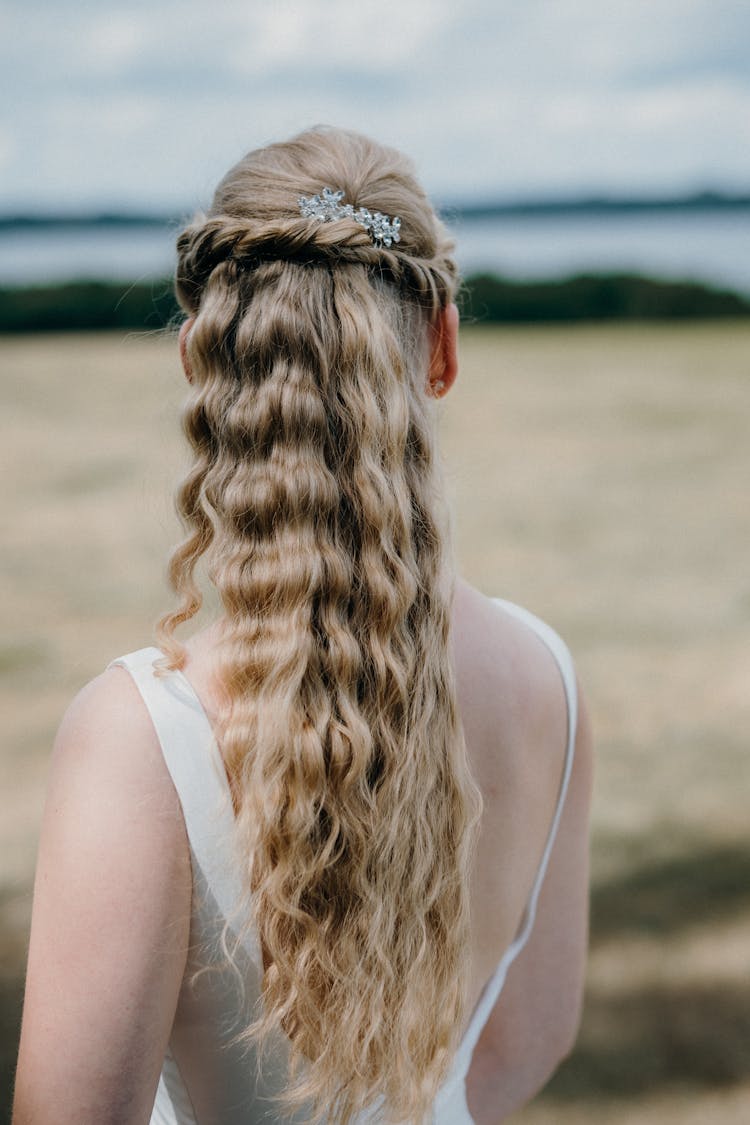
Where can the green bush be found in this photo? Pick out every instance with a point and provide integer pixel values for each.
(595, 297)
(85, 305)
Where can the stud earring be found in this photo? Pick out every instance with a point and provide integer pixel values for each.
(438, 388)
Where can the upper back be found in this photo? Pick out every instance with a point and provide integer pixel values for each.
(514, 698)
(514, 713)
(514, 707)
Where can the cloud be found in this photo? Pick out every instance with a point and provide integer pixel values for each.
(142, 105)
(369, 36)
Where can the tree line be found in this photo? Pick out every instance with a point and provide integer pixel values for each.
(81, 306)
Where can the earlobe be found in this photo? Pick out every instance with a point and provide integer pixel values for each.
(444, 354)
(184, 333)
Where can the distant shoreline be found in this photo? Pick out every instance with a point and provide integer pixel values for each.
(585, 207)
(485, 298)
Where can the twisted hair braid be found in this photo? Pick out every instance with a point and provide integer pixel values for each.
(316, 496)
(207, 244)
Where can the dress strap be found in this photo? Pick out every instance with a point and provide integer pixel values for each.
(564, 661)
(196, 768)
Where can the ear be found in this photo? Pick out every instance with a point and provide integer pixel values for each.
(184, 332)
(444, 352)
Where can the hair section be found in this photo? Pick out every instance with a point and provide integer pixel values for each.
(316, 497)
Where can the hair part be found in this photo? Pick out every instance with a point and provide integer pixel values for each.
(316, 498)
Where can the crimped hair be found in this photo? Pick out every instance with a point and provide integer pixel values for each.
(316, 497)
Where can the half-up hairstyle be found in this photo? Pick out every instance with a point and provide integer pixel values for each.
(316, 498)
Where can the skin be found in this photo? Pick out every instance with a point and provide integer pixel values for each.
(112, 896)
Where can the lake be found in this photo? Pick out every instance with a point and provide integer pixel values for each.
(710, 245)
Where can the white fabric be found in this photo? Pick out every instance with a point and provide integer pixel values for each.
(206, 1079)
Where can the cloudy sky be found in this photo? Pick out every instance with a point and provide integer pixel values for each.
(146, 103)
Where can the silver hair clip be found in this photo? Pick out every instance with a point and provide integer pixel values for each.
(328, 206)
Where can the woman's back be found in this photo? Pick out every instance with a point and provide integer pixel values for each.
(115, 817)
(386, 797)
(518, 704)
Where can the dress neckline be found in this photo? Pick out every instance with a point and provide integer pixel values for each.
(494, 983)
(215, 753)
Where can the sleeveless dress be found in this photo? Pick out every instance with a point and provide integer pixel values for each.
(206, 1079)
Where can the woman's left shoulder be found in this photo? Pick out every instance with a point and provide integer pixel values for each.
(103, 704)
(107, 742)
(110, 798)
(110, 919)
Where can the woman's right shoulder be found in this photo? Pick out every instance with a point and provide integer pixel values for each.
(512, 652)
(517, 689)
(538, 786)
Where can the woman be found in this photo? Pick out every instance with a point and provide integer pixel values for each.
(289, 865)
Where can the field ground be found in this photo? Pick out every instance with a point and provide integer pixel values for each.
(599, 476)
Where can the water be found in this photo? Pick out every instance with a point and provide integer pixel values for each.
(127, 253)
(709, 246)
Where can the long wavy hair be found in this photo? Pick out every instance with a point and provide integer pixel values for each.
(316, 499)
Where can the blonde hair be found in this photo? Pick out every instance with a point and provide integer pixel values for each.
(316, 497)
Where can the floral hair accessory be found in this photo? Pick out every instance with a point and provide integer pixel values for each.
(328, 206)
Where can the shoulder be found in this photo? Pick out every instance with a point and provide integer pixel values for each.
(509, 670)
(515, 709)
(107, 763)
(109, 703)
(110, 918)
(113, 836)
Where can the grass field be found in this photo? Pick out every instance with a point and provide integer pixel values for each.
(599, 476)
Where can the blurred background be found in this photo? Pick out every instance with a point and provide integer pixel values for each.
(593, 162)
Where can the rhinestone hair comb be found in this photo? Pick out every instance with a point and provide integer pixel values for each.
(328, 206)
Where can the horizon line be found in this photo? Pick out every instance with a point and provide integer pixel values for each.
(584, 205)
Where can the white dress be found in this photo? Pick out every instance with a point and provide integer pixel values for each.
(205, 1079)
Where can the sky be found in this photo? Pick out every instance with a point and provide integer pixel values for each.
(145, 104)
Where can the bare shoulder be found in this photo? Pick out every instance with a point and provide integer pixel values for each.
(515, 713)
(110, 919)
(508, 675)
(111, 804)
(515, 678)
(108, 725)
(111, 700)
(107, 761)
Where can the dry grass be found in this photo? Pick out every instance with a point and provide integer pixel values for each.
(598, 475)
